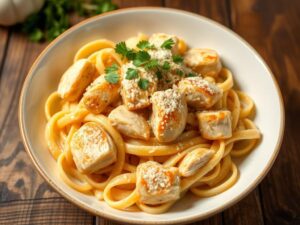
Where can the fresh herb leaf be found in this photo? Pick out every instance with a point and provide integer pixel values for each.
(159, 74)
(131, 73)
(179, 72)
(141, 58)
(177, 59)
(168, 44)
(166, 65)
(112, 69)
(151, 64)
(121, 48)
(112, 78)
(191, 75)
(53, 18)
(143, 84)
(112, 74)
(130, 55)
(103, 6)
(144, 45)
(36, 35)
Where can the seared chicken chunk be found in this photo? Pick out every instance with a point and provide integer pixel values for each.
(129, 123)
(159, 38)
(204, 61)
(169, 112)
(74, 81)
(157, 184)
(193, 161)
(100, 94)
(92, 148)
(134, 97)
(215, 125)
(199, 93)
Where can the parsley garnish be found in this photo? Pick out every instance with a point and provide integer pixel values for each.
(151, 64)
(131, 73)
(130, 55)
(177, 59)
(111, 75)
(143, 83)
(141, 58)
(112, 78)
(53, 18)
(111, 69)
(166, 65)
(159, 74)
(179, 72)
(191, 75)
(144, 45)
(122, 49)
(168, 44)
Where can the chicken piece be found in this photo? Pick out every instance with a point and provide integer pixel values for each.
(129, 123)
(199, 93)
(157, 184)
(158, 39)
(92, 148)
(215, 125)
(191, 121)
(193, 161)
(75, 80)
(100, 94)
(205, 61)
(169, 112)
(134, 97)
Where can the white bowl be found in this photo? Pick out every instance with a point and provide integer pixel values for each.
(250, 73)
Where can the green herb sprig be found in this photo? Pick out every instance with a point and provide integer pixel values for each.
(168, 44)
(111, 74)
(53, 18)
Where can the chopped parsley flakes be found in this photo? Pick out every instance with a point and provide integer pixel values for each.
(166, 65)
(168, 44)
(144, 45)
(111, 75)
(132, 73)
(177, 59)
(122, 49)
(191, 75)
(143, 84)
(141, 58)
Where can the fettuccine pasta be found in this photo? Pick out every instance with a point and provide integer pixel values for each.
(140, 123)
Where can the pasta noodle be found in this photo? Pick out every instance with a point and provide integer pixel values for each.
(117, 183)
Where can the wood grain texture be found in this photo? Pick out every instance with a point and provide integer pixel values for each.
(272, 27)
(42, 211)
(136, 3)
(19, 180)
(4, 35)
(239, 214)
(214, 9)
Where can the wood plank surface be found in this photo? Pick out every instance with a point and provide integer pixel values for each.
(271, 27)
(19, 180)
(42, 211)
(4, 35)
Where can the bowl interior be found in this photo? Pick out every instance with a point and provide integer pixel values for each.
(250, 73)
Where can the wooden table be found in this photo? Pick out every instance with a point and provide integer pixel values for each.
(272, 27)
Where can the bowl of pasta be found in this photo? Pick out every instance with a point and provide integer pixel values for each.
(138, 120)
